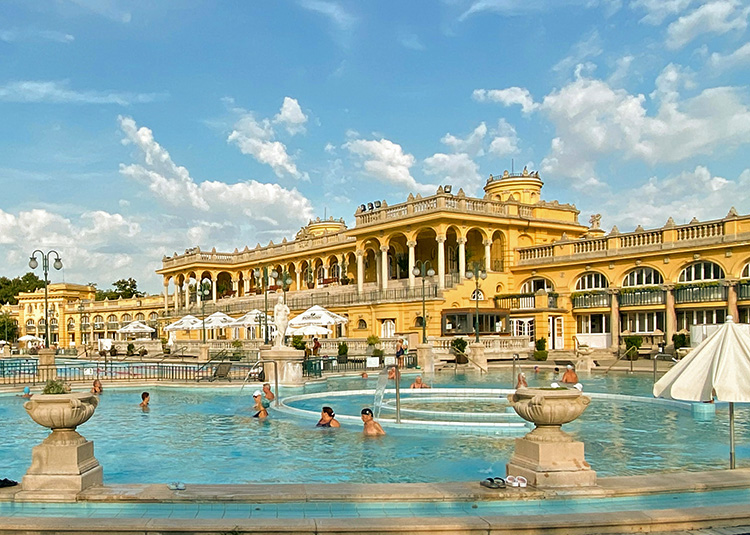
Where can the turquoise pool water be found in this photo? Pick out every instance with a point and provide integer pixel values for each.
(374, 510)
(208, 435)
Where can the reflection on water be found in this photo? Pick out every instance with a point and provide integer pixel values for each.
(209, 436)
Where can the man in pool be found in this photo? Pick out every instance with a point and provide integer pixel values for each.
(418, 383)
(26, 392)
(268, 395)
(371, 427)
(145, 398)
(570, 376)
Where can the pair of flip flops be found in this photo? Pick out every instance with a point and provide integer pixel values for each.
(177, 485)
(493, 483)
(516, 481)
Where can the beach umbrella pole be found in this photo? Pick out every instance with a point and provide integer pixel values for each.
(731, 435)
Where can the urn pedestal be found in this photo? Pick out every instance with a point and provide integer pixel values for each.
(289, 362)
(63, 464)
(547, 456)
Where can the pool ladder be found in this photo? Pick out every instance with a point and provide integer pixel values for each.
(275, 378)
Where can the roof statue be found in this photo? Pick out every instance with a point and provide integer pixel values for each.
(595, 221)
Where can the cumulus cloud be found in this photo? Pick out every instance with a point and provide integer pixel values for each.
(505, 140)
(59, 92)
(385, 160)
(472, 144)
(738, 58)
(456, 169)
(508, 97)
(173, 185)
(256, 137)
(718, 17)
(291, 116)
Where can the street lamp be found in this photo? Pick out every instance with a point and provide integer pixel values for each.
(81, 308)
(420, 269)
(33, 264)
(204, 290)
(477, 274)
(262, 277)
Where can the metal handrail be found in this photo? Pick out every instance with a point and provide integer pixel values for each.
(619, 357)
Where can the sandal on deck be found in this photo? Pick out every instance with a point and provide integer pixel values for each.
(489, 483)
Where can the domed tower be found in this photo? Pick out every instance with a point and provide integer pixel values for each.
(523, 187)
(319, 227)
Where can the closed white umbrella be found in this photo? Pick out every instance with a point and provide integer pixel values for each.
(719, 367)
(136, 327)
(309, 330)
(317, 315)
(250, 319)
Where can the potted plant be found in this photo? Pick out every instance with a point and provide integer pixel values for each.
(130, 351)
(458, 347)
(113, 351)
(343, 278)
(298, 343)
(632, 345)
(540, 349)
(236, 350)
(372, 341)
(343, 357)
(309, 276)
(143, 352)
(680, 340)
(377, 352)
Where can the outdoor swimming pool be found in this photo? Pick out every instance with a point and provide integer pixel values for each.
(208, 435)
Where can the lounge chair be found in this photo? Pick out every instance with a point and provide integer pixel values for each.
(221, 371)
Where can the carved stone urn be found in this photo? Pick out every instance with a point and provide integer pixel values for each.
(547, 456)
(63, 464)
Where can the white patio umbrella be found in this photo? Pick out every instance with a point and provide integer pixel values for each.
(316, 315)
(251, 319)
(309, 330)
(217, 320)
(719, 367)
(29, 338)
(183, 324)
(136, 327)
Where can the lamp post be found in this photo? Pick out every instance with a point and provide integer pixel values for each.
(204, 290)
(33, 264)
(81, 308)
(262, 276)
(422, 268)
(477, 274)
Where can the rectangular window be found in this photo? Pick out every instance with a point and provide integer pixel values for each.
(642, 322)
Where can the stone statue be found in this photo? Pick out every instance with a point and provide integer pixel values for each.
(281, 321)
(595, 221)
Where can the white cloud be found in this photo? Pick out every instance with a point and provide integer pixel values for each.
(385, 160)
(256, 138)
(621, 70)
(508, 97)
(719, 16)
(59, 92)
(738, 58)
(411, 41)
(291, 116)
(472, 144)
(518, 7)
(588, 47)
(28, 34)
(657, 11)
(505, 140)
(106, 8)
(173, 185)
(456, 169)
(331, 10)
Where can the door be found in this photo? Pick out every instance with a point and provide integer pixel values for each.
(523, 327)
(388, 329)
(556, 333)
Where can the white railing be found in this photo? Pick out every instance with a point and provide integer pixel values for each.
(590, 246)
(534, 253)
(641, 239)
(696, 232)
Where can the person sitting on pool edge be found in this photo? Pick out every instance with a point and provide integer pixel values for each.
(97, 387)
(145, 399)
(261, 411)
(570, 376)
(327, 418)
(371, 427)
(418, 383)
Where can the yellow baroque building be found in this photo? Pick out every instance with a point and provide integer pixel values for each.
(405, 266)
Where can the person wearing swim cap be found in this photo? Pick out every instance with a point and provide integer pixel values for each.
(371, 427)
(570, 376)
(26, 392)
(260, 410)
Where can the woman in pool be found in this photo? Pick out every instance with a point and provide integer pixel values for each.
(260, 410)
(521, 383)
(97, 387)
(327, 418)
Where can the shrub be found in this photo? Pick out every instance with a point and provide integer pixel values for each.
(373, 340)
(540, 344)
(632, 344)
(298, 343)
(541, 354)
(113, 351)
(33, 351)
(343, 348)
(377, 353)
(55, 387)
(458, 345)
(143, 352)
(680, 340)
(130, 350)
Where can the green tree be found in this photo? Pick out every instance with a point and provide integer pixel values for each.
(8, 328)
(125, 288)
(10, 288)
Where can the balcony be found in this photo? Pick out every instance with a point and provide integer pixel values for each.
(699, 294)
(641, 297)
(526, 301)
(85, 326)
(743, 291)
(595, 299)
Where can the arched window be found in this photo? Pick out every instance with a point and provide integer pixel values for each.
(335, 271)
(644, 276)
(477, 295)
(140, 317)
(98, 321)
(745, 272)
(30, 324)
(591, 281)
(53, 323)
(40, 323)
(702, 271)
(419, 322)
(153, 316)
(127, 317)
(361, 324)
(111, 318)
(534, 285)
(71, 324)
(321, 272)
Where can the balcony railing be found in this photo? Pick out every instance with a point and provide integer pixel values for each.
(592, 300)
(517, 302)
(699, 294)
(743, 292)
(640, 297)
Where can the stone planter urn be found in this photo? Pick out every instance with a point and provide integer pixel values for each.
(547, 456)
(63, 464)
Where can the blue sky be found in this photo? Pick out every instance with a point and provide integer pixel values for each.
(134, 130)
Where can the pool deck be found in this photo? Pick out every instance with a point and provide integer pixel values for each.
(665, 520)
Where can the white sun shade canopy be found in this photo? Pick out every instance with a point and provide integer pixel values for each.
(316, 315)
(136, 327)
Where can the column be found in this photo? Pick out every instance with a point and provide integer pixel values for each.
(360, 270)
(378, 271)
(246, 283)
(176, 297)
(299, 279)
(412, 262)
(441, 262)
(732, 309)
(166, 296)
(186, 294)
(236, 287)
(487, 253)
(384, 266)
(462, 258)
(213, 287)
(671, 319)
(198, 292)
(614, 318)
